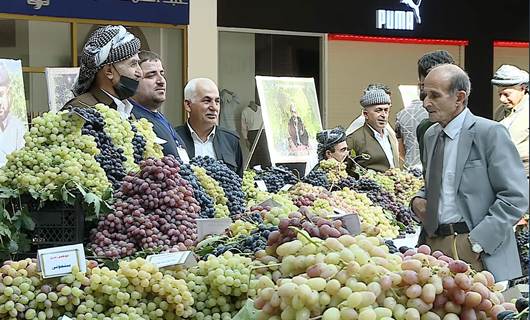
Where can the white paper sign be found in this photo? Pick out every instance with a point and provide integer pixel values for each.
(64, 318)
(257, 167)
(270, 203)
(183, 154)
(286, 187)
(211, 226)
(172, 259)
(261, 185)
(350, 221)
(58, 261)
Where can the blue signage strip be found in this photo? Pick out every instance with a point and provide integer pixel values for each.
(174, 12)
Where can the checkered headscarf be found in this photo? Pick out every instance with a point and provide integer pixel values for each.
(327, 139)
(109, 44)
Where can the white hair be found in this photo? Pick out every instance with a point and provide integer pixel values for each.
(191, 87)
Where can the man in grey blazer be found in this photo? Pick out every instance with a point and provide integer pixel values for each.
(475, 185)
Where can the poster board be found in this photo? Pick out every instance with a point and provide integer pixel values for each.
(13, 112)
(409, 93)
(60, 82)
(291, 118)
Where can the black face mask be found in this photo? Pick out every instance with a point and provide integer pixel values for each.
(126, 87)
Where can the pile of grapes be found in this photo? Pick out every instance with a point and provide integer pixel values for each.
(110, 158)
(303, 220)
(406, 184)
(248, 244)
(384, 199)
(334, 169)
(228, 180)
(55, 154)
(357, 278)
(137, 290)
(206, 202)
(219, 285)
(154, 209)
(276, 177)
(318, 178)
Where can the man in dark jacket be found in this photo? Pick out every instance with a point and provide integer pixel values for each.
(109, 71)
(148, 99)
(201, 133)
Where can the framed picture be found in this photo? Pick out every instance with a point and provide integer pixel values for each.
(13, 113)
(291, 118)
(60, 82)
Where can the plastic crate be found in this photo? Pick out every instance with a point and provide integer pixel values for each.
(57, 224)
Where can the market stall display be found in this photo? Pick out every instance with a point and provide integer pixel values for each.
(288, 252)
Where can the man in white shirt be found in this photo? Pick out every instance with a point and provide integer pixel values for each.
(201, 133)
(110, 70)
(475, 186)
(374, 138)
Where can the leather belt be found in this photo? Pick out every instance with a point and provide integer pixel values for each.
(445, 230)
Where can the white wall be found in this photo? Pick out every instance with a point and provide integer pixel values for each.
(514, 56)
(352, 65)
(202, 40)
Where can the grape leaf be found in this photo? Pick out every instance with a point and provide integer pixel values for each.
(12, 246)
(91, 198)
(27, 222)
(4, 230)
(248, 312)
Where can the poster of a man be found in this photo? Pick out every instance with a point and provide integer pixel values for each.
(291, 118)
(60, 82)
(13, 116)
(298, 137)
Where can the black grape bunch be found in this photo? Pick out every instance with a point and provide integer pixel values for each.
(317, 178)
(110, 158)
(228, 179)
(139, 144)
(276, 177)
(206, 202)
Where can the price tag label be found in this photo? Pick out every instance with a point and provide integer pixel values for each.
(183, 154)
(58, 261)
(257, 167)
(270, 203)
(350, 221)
(261, 185)
(64, 318)
(211, 226)
(286, 187)
(161, 260)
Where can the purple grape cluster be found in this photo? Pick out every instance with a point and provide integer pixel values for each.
(155, 209)
(317, 177)
(110, 158)
(228, 179)
(205, 201)
(247, 244)
(276, 177)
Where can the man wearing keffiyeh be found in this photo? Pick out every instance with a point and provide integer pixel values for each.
(109, 72)
(332, 144)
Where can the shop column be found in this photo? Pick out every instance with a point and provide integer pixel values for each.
(202, 40)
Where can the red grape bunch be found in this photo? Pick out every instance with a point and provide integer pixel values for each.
(155, 209)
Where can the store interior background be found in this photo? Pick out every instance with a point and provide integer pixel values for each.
(231, 43)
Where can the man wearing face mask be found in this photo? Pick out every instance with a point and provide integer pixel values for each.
(110, 70)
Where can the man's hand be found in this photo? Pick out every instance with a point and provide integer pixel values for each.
(419, 207)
